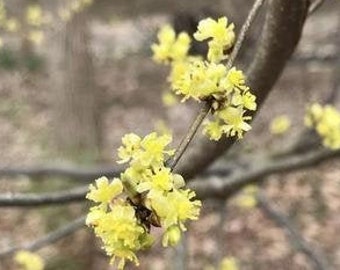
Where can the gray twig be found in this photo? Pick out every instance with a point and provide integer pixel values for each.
(40, 199)
(252, 170)
(48, 239)
(244, 30)
(318, 259)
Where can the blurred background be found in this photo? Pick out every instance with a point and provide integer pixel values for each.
(76, 75)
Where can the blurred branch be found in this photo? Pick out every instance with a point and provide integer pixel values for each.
(254, 168)
(76, 173)
(190, 135)
(244, 30)
(48, 239)
(315, 6)
(38, 199)
(297, 241)
(280, 35)
(257, 169)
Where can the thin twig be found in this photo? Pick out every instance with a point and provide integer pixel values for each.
(63, 171)
(204, 110)
(39, 199)
(245, 27)
(315, 6)
(318, 259)
(256, 170)
(47, 239)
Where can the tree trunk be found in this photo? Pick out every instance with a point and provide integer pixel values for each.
(79, 120)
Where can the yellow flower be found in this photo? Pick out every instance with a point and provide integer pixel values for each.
(213, 129)
(161, 180)
(217, 30)
(131, 144)
(29, 261)
(12, 25)
(169, 47)
(235, 79)
(175, 207)
(229, 263)
(249, 101)
(105, 191)
(247, 198)
(169, 99)
(154, 149)
(34, 15)
(36, 36)
(171, 236)
(280, 125)
(200, 80)
(326, 121)
(121, 233)
(222, 37)
(180, 48)
(234, 121)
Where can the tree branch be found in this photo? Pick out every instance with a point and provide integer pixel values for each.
(48, 239)
(280, 35)
(83, 174)
(257, 170)
(318, 259)
(254, 169)
(39, 199)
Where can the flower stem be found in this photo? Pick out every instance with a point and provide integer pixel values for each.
(204, 110)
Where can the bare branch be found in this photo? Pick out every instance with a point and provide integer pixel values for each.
(79, 173)
(190, 135)
(254, 169)
(48, 239)
(317, 259)
(39, 199)
(244, 30)
(280, 35)
(257, 170)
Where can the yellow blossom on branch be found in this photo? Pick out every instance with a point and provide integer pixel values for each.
(326, 122)
(280, 125)
(34, 15)
(105, 191)
(146, 194)
(209, 80)
(29, 260)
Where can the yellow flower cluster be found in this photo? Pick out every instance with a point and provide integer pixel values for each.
(147, 193)
(7, 23)
(28, 260)
(280, 125)
(247, 198)
(326, 121)
(227, 263)
(208, 80)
